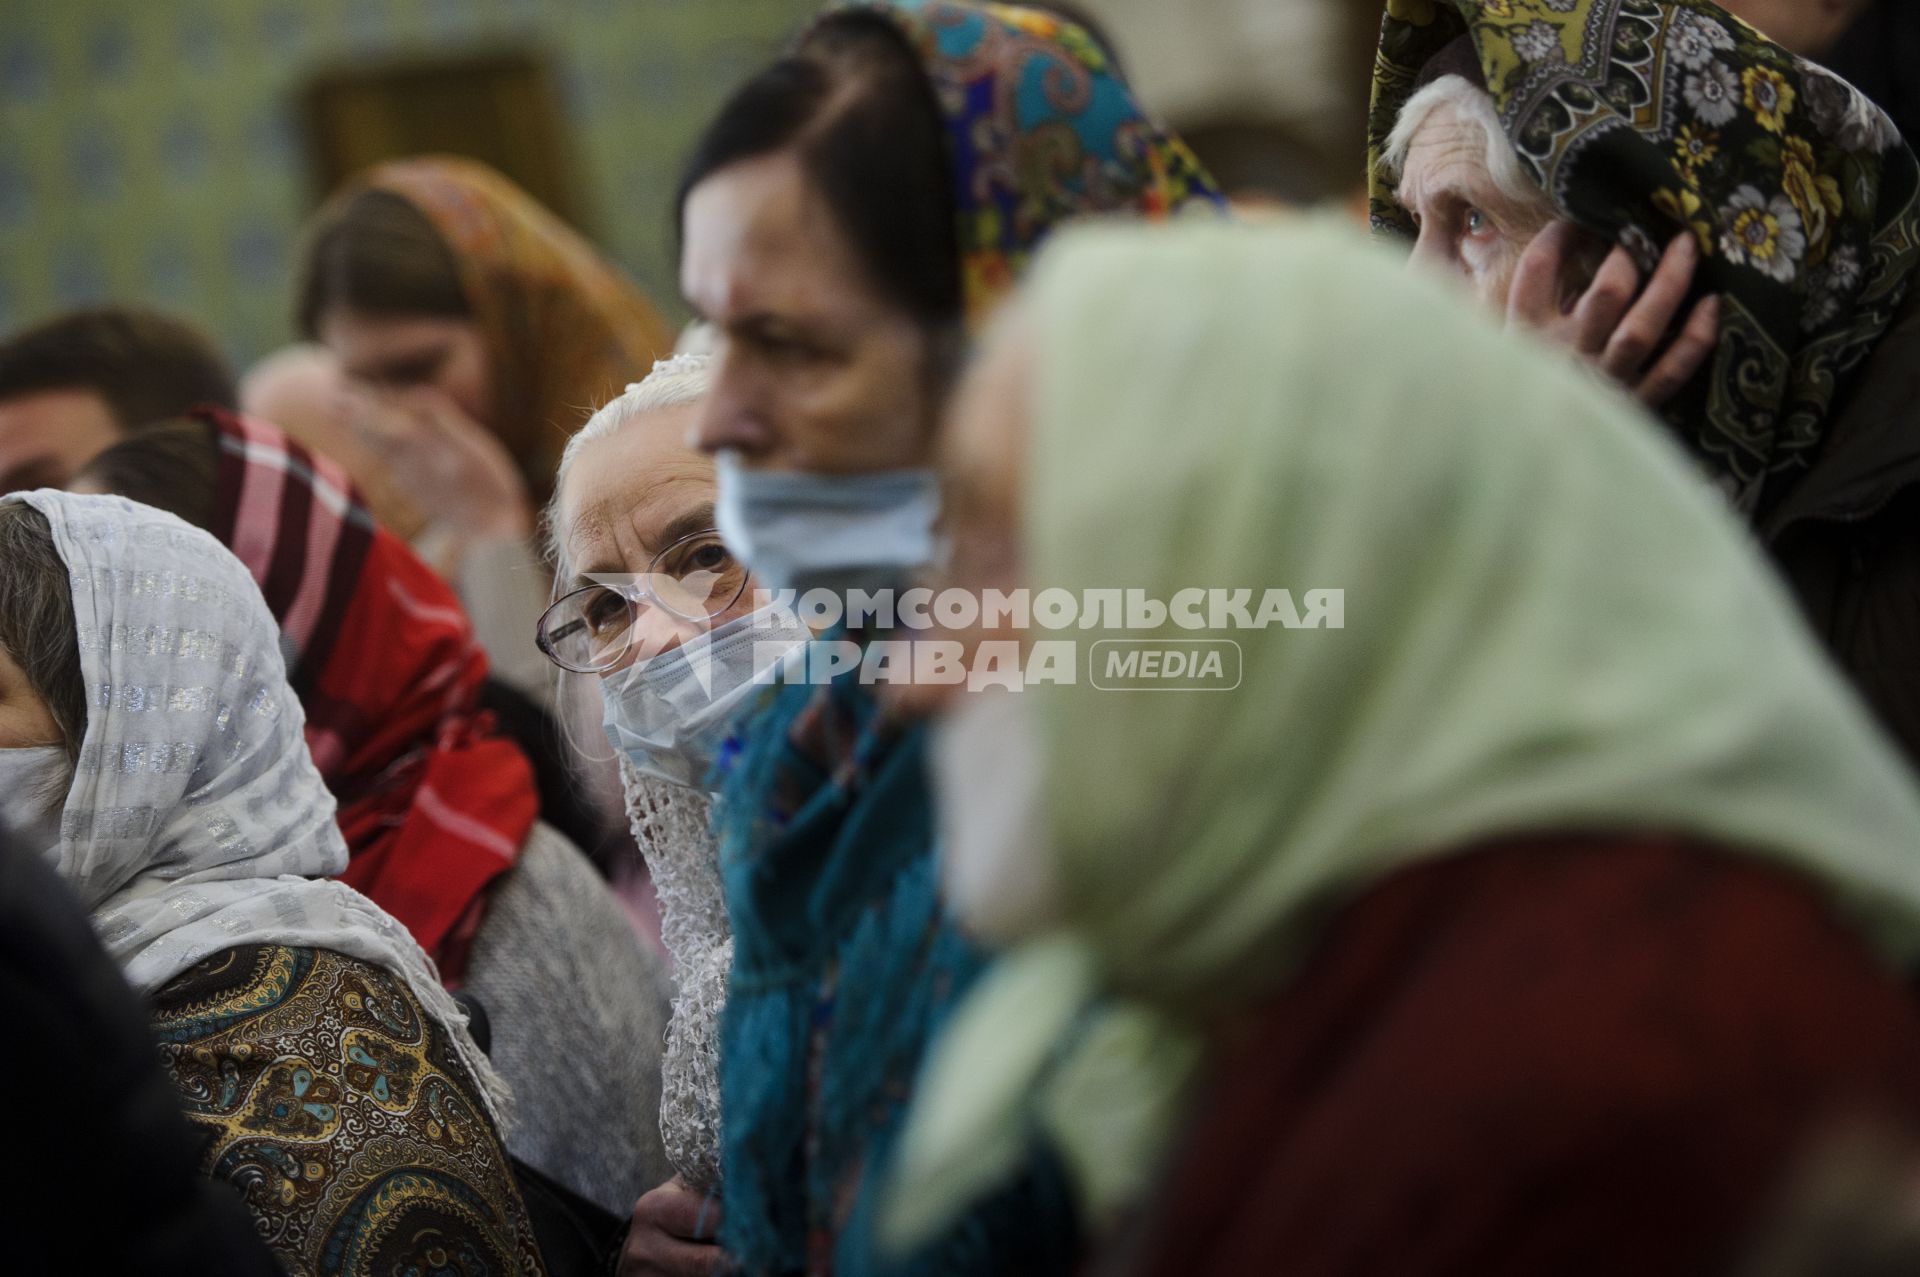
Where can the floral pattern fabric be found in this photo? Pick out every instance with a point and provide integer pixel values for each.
(1040, 128)
(1646, 118)
(338, 1109)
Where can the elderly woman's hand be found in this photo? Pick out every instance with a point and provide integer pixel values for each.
(672, 1234)
(1615, 324)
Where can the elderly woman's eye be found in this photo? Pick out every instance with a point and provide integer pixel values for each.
(605, 611)
(1477, 221)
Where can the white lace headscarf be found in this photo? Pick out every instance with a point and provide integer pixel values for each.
(196, 821)
(671, 826)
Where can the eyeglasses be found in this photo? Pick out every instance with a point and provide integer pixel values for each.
(589, 630)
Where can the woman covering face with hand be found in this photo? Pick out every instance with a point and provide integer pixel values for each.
(479, 330)
(442, 284)
(153, 747)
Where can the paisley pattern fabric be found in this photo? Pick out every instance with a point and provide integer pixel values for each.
(1040, 128)
(1645, 118)
(339, 1110)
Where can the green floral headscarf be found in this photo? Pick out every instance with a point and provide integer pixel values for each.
(1644, 117)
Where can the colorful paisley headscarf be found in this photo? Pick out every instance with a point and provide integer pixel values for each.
(1040, 128)
(564, 329)
(1643, 117)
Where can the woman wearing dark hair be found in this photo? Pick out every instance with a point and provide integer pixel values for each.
(151, 741)
(441, 815)
(487, 330)
(853, 211)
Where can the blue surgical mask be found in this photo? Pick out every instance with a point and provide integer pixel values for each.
(800, 531)
(669, 715)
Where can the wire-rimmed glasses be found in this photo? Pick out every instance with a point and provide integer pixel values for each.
(591, 629)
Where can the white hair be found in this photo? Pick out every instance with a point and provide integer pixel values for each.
(683, 379)
(1472, 105)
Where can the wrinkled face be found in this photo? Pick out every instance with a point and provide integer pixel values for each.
(1470, 229)
(983, 462)
(24, 719)
(628, 497)
(397, 353)
(816, 370)
(48, 437)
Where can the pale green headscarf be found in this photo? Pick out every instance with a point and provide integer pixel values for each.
(1551, 625)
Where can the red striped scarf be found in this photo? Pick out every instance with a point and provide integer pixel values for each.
(433, 804)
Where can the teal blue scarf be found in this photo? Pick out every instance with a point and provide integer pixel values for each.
(845, 968)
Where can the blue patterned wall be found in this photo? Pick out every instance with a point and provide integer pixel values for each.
(149, 151)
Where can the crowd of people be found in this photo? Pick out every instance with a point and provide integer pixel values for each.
(503, 787)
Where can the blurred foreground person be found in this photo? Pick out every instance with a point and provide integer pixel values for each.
(482, 331)
(1533, 920)
(154, 753)
(1683, 136)
(850, 211)
(71, 387)
(1853, 1211)
(653, 605)
(440, 812)
(118, 1127)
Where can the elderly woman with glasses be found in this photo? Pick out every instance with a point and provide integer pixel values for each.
(651, 602)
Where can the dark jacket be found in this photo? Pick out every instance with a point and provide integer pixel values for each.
(1847, 536)
(101, 1169)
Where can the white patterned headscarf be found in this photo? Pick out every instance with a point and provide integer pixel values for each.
(196, 821)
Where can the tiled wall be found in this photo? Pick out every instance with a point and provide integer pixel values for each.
(149, 150)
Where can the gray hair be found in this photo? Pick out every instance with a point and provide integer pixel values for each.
(1474, 105)
(683, 379)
